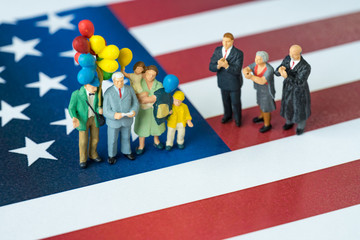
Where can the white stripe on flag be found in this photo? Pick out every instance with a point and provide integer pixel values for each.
(340, 224)
(208, 27)
(172, 186)
(336, 61)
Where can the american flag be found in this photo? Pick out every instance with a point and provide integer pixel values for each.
(228, 182)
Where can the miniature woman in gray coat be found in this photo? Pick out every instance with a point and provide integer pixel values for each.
(262, 74)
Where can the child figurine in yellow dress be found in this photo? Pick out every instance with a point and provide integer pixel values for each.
(177, 121)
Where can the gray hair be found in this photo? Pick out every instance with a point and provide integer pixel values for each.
(264, 55)
(117, 75)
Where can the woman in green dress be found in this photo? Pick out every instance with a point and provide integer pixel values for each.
(145, 124)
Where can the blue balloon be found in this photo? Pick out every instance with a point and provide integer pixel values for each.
(170, 83)
(86, 60)
(85, 75)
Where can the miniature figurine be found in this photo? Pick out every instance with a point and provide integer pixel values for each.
(295, 102)
(135, 79)
(145, 124)
(177, 121)
(263, 78)
(84, 120)
(227, 62)
(120, 107)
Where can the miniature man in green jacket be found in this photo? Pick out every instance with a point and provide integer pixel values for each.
(84, 120)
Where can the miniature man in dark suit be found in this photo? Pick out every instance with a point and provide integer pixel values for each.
(85, 120)
(227, 62)
(295, 102)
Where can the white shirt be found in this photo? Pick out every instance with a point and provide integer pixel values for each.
(91, 102)
(228, 52)
(122, 91)
(293, 61)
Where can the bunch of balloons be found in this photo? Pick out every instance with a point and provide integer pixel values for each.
(89, 44)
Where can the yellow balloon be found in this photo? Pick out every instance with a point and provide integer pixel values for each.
(110, 52)
(125, 57)
(108, 65)
(97, 43)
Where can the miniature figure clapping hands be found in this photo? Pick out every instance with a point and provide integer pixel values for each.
(282, 71)
(247, 73)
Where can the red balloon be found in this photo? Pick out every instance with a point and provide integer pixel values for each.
(86, 28)
(81, 44)
(77, 55)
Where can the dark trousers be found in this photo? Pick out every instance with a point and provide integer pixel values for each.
(232, 104)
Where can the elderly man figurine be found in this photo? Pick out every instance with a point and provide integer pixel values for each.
(227, 62)
(177, 121)
(295, 102)
(262, 74)
(84, 120)
(120, 108)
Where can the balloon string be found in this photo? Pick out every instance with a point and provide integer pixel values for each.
(101, 78)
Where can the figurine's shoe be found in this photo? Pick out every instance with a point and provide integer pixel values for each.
(258, 120)
(288, 126)
(98, 159)
(168, 148)
(130, 156)
(299, 131)
(159, 146)
(139, 151)
(181, 146)
(265, 129)
(111, 160)
(83, 165)
(238, 123)
(225, 119)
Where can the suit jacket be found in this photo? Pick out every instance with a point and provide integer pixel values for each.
(228, 79)
(113, 103)
(78, 107)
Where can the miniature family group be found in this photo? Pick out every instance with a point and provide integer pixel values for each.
(146, 100)
(227, 62)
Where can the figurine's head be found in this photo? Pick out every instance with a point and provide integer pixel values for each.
(139, 67)
(118, 79)
(228, 40)
(295, 52)
(261, 57)
(93, 85)
(178, 98)
(150, 73)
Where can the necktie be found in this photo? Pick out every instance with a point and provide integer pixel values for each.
(293, 63)
(120, 92)
(225, 53)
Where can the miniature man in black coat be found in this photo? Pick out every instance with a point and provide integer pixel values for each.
(295, 101)
(227, 62)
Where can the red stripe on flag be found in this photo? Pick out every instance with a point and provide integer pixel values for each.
(328, 107)
(193, 64)
(135, 13)
(241, 212)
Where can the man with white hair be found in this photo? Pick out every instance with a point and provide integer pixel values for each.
(120, 107)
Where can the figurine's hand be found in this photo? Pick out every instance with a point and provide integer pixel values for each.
(282, 71)
(101, 111)
(171, 111)
(190, 124)
(247, 75)
(117, 116)
(221, 63)
(75, 122)
(132, 115)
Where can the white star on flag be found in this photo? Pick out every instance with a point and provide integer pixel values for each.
(34, 151)
(65, 122)
(46, 83)
(1, 70)
(22, 48)
(55, 23)
(7, 112)
(69, 54)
